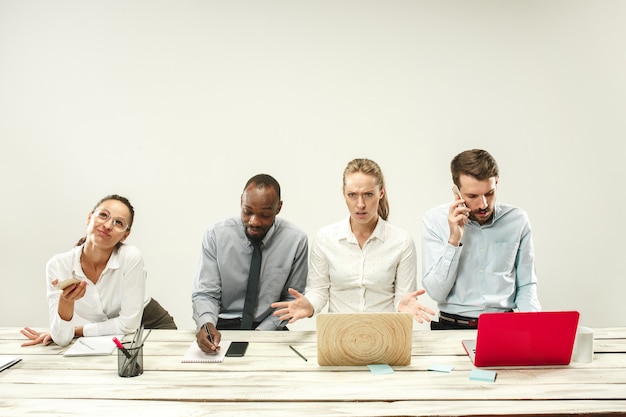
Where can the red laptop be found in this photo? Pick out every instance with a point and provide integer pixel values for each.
(523, 339)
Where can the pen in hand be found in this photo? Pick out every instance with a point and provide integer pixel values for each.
(210, 336)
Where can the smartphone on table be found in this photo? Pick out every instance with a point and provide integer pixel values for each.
(237, 349)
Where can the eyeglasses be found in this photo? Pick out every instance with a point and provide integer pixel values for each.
(120, 224)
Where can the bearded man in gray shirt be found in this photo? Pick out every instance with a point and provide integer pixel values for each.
(222, 278)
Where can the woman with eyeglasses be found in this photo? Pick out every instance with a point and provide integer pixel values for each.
(110, 295)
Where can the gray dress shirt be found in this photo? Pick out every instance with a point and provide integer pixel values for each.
(221, 279)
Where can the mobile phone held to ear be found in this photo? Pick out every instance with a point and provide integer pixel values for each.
(237, 349)
(456, 191)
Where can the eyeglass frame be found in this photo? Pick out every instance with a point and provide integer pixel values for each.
(115, 220)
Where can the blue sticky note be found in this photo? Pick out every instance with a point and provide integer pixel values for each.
(483, 375)
(440, 367)
(380, 369)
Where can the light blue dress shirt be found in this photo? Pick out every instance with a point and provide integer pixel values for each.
(493, 269)
(222, 276)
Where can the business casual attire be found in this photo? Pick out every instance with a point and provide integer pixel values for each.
(113, 305)
(354, 279)
(493, 270)
(221, 279)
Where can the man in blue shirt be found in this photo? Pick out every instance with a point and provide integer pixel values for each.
(220, 285)
(477, 254)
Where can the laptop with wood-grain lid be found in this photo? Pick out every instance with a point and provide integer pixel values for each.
(364, 339)
(523, 339)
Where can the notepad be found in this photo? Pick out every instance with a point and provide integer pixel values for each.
(438, 367)
(7, 362)
(195, 355)
(380, 369)
(482, 375)
(92, 346)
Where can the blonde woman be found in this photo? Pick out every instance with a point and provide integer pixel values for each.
(362, 263)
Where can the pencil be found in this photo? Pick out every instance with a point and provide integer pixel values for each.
(299, 354)
(82, 342)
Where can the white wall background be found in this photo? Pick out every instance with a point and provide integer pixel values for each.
(175, 104)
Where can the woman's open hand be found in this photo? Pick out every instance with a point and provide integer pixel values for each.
(35, 337)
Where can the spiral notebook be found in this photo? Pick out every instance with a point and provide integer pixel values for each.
(195, 355)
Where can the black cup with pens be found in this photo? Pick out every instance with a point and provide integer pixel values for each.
(130, 360)
(130, 355)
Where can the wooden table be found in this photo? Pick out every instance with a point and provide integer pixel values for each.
(271, 379)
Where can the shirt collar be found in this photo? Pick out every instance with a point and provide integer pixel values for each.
(497, 213)
(114, 260)
(268, 236)
(77, 269)
(346, 231)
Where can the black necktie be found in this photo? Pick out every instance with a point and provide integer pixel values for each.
(252, 290)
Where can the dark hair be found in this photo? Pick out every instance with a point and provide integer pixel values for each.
(369, 167)
(262, 181)
(121, 199)
(476, 163)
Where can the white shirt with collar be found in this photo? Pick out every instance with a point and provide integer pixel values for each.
(114, 305)
(353, 279)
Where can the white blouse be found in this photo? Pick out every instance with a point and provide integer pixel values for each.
(114, 305)
(351, 279)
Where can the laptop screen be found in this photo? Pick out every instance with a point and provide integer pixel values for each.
(525, 339)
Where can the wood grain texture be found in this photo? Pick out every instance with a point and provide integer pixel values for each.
(272, 379)
(364, 339)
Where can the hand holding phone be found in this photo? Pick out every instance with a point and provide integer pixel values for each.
(456, 191)
(66, 283)
(456, 226)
